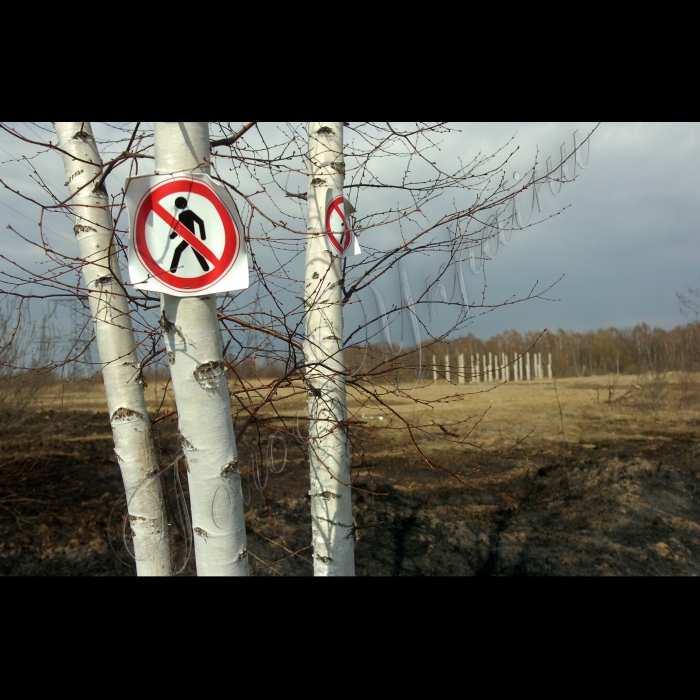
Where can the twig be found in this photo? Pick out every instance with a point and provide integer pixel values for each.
(289, 556)
(259, 568)
(563, 435)
(277, 544)
(232, 139)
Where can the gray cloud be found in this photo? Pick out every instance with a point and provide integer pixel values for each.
(626, 244)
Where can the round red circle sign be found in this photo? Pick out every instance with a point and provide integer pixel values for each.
(335, 207)
(219, 266)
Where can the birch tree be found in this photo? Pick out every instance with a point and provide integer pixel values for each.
(120, 366)
(329, 456)
(193, 342)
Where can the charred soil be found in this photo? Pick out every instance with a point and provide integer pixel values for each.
(609, 488)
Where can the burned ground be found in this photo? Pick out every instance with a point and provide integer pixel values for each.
(608, 485)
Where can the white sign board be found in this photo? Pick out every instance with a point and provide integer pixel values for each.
(186, 236)
(340, 238)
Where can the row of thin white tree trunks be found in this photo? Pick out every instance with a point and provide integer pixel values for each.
(492, 368)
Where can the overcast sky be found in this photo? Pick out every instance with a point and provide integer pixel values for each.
(629, 240)
(625, 245)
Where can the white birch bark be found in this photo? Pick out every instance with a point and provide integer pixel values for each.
(460, 368)
(435, 372)
(131, 426)
(447, 368)
(333, 534)
(193, 341)
(527, 366)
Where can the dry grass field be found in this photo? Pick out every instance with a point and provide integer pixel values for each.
(592, 476)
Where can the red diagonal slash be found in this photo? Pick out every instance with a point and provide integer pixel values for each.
(336, 207)
(186, 234)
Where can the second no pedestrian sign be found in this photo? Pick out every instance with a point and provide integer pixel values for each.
(186, 236)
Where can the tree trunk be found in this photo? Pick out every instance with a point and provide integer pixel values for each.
(193, 341)
(131, 425)
(333, 533)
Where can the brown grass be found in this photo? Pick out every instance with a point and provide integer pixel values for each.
(618, 496)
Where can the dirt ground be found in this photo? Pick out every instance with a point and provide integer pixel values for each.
(596, 476)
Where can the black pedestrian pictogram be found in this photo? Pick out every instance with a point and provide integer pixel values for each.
(202, 215)
(188, 219)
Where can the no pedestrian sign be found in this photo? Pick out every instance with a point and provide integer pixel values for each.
(186, 236)
(340, 238)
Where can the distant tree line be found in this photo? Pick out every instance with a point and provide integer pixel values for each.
(594, 353)
(610, 350)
